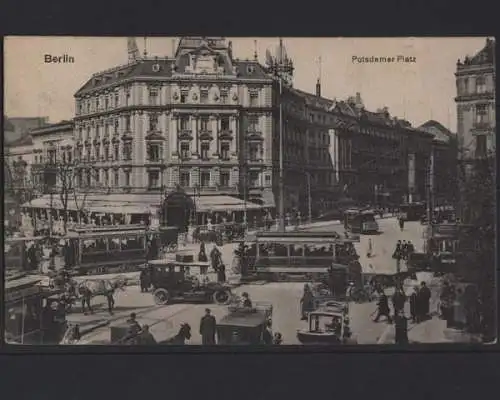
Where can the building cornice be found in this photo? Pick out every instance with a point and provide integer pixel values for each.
(209, 79)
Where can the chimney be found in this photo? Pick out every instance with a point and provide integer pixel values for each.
(318, 88)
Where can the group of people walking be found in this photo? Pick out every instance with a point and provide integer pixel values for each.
(419, 304)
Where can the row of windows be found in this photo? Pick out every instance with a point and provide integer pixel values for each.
(479, 85)
(101, 103)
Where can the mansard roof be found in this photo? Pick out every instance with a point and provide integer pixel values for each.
(485, 55)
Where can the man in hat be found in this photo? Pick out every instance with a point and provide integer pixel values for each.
(383, 308)
(306, 302)
(207, 328)
(414, 310)
(146, 337)
(401, 328)
(424, 295)
(247, 303)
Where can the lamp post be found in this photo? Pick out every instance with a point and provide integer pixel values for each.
(279, 67)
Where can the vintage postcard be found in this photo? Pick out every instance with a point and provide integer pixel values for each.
(215, 191)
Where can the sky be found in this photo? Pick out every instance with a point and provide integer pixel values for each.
(418, 91)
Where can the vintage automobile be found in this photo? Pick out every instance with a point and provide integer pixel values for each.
(172, 282)
(244, 326)
(360, 221)
(328, 325)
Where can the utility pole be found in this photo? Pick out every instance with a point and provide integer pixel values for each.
(309, 197)
(429, 195)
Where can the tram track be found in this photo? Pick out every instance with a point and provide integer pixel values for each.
(140, 313)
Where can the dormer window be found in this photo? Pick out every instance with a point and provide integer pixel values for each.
(156, 67)
(184, 96)
(97, 104)
(250, 69)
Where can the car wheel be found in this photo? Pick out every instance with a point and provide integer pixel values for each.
(161, 297)
(222, 296)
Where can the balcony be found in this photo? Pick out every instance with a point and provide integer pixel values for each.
(155, 160)
(253, 135)
(127, 135)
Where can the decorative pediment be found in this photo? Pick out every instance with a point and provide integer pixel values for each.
(154, 136)
(254, 136)
(126, 136)
(206, 135)
(185, 135)
(226, 135)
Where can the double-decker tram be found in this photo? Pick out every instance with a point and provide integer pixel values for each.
(103, 250)
(297, 255)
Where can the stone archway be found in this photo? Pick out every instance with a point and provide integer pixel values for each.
(176, 210)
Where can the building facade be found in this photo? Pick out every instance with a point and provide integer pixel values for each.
(336, 149)
(201, 120)
(443, 173)
(475, 79)
(52, 155)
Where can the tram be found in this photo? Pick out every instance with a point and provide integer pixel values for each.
(104, 250)
(16, 257)
(297, 255)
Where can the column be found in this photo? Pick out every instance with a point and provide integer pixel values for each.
(411, 176)
(174, 132)
(214, 126)
(194, 127)
(218, 131)
(232, 125)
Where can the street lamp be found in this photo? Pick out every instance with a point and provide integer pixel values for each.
(278, 67)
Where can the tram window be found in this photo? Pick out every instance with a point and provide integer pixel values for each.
(263, 249)
(114, 244)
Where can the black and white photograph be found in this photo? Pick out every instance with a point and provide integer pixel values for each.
(227, 191)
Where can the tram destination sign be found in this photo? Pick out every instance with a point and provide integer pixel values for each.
(19, 294)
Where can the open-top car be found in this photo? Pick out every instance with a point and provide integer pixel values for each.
(172, 282)
(245, 326)
(328, 325)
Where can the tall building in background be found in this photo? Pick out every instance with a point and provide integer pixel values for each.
(475, 78)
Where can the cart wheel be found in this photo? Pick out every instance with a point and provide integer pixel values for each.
(161, 297)
(222, 296)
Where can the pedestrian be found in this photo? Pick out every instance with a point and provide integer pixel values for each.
(404, 250)
(401, 328)
(146, 337)
(383, 308)
(207, 328)
(267, 336)
(446, 299)
(414, 311)
(370, 248)
(247, 303)
(306, 302)
(221, 273)
(401, 223)
(424, 295)
(202, 257)
(86, 297)
(397, 251)
(144, 279)
(215, 257)
(398, 301)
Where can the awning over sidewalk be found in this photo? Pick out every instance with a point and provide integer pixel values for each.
(223, 203)
(112, 203)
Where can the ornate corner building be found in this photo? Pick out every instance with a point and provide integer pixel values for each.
(201, 120)
(475, 79)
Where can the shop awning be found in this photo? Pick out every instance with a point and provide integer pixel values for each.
(101, 203)
(223, 203)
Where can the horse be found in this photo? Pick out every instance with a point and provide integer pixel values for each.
(181, 337)
(88, 289)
